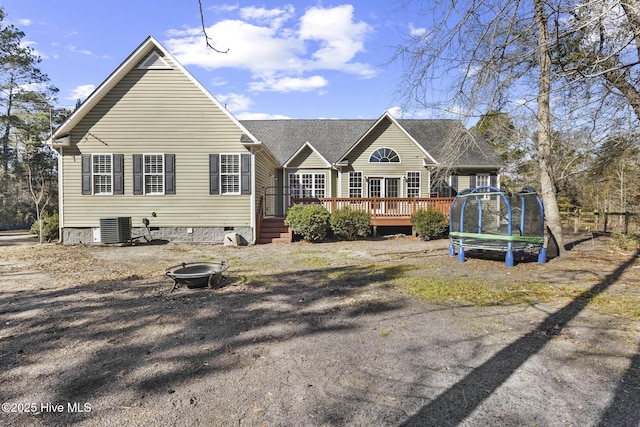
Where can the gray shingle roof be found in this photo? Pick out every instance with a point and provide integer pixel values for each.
(333, 138)
(448, 141)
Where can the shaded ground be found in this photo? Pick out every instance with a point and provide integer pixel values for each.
(314, 335)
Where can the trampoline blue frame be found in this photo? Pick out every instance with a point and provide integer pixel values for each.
(480, 240)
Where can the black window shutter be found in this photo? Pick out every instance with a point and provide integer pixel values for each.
(493, 180)
(245, 174)
(169, 174)
(472, 181)
(214, 171)
(454, 185)
(118, 174)
(137, 174)
(86, 174)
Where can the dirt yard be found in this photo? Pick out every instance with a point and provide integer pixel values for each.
(311, 335)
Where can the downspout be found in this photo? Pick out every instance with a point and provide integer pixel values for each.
(254, 195)
(60, 195)
(338, 184)
(55, 146)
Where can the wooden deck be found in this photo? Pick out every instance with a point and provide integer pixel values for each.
(384, 211)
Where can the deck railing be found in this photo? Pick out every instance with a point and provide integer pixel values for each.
(387, 208)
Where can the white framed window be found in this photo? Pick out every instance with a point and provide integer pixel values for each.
(319, 185)
(355, 184)
(154, 174)
(413, 184)
(230, 173)
(482, 180)
(102, 173)
(307, 185)
(384, 155)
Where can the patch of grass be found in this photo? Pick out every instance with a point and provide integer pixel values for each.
(625, 242)
(179, 249)
(384, 333)
(617, 305)
(313, 261)
(303, 252)
(463, 291)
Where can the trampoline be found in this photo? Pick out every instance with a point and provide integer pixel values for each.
(486, 218)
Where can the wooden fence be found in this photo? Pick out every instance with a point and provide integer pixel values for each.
(623, 222)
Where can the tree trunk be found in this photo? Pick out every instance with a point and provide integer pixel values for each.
(547, 182)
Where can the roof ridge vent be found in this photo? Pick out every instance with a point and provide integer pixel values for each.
(154, 62)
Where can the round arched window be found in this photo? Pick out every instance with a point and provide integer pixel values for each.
(384, 155)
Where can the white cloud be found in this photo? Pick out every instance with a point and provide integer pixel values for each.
(225, 7)
(251, 47)
(74, 49)
(417, 32)
(81, 92)
(24, 22)
(260, 116)
(234, 102)
(289, 84)
(218, 81)
(274, 18)
(396, 112)
(340, 38)
(277, 49)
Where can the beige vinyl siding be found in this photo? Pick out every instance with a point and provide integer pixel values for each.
(463, 182)
(334, 184)
(307, 159)
(148, 112)
(266, 168)
(388, 135)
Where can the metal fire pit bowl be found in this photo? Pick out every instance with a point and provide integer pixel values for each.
(196, 274)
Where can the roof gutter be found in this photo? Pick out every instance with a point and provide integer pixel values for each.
(62, 142)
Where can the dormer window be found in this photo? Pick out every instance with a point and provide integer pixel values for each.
(384, 155)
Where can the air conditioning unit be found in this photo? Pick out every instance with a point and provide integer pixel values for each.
(115, 230)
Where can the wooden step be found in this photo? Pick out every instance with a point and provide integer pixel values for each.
(273, 230)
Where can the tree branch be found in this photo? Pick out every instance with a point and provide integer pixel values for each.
(204, 31)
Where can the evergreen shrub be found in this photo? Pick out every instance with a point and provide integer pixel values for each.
(429, 223)
(309, 221)
(350, 223)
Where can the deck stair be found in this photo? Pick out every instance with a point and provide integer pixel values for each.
(273, 230)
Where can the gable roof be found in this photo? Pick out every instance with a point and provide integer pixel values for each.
(330, 138)
(449, 142)
(333, 139)
(146, 51)
(312, 148)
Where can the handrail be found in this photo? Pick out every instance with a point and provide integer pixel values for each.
(382, 207)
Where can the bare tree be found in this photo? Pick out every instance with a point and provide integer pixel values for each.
(491, 52)
(545, 152)
(41, 190)
(598, 54)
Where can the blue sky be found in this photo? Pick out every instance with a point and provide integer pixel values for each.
(285, 60)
